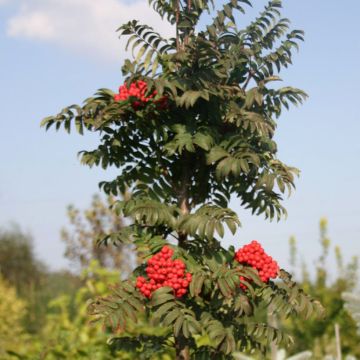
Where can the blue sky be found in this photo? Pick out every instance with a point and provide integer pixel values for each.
(58, 52)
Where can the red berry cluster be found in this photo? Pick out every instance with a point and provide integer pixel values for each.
(254, 255)
(138, 89)
(163, 271)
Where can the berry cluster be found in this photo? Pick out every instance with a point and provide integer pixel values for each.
(138, 90)
(163, 271)
(254, 255)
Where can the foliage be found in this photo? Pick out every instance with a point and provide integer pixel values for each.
(67, 334)
(12, 311)
(21, 269)
(33, 281)
(327, 287)
(81, 240)
(182, 162)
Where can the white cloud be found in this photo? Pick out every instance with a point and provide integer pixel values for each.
(84, 26)
(37, 25)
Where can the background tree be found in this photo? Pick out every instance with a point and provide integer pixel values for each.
(192, 126)
(87, 228)
(12, 311)
(18, 263)
(352, 305)
(328, 287)
(31, 278)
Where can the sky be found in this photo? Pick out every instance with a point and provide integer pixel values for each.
(58, 52)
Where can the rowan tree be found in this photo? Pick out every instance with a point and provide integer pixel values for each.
(191, 127)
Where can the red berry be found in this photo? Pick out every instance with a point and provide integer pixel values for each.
(162, 271)
(254, 255)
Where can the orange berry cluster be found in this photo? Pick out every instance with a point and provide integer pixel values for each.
(138, 90)
(163, 271)
(254, 255)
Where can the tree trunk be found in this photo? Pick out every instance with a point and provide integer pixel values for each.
(183, 354)
(182, 351)
(183, 194)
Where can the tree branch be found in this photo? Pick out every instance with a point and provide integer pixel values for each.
(183, 194)
(182, 351)
(250, 75)
(186, 40)
(177, 15)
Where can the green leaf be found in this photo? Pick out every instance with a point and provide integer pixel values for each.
(177, 325)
